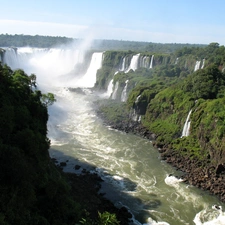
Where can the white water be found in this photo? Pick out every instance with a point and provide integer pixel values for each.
(123, 65)
(187, 124)
(197, 65)
(89, 79)
(133, 172)
(109, 89)
(134, 63)
(203, 64)
(124, 92)
(151, 63)
(114, 94)
(137, 99)
(144, 62)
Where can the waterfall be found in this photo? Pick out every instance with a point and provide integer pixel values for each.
(89, 79)
(123, 65)
(137, 99)
(114, 94)
(58, 61)
(186, 128)
(124, 92)
(134, 63)
(203, 64)
(144, 62)
(109, 89)
(55, 65)
(197, 65)
(135, 117)
(151, 63)
(10, 58)
(176, 61)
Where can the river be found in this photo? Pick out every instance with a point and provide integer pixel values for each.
(131, 167)
(133, 173)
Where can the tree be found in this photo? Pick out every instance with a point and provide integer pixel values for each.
(33, 80)
(48, 99)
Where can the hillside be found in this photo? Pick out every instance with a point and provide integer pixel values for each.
(158, 99)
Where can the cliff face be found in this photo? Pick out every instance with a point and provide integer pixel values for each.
(181, 101)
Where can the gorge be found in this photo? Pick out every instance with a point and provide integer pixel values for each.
(134, 174)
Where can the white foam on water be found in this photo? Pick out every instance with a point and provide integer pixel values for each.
(213, 216)
(173, 181)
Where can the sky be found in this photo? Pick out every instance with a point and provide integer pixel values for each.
(159, 21)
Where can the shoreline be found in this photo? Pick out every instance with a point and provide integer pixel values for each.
(208, 179)
(86, 188)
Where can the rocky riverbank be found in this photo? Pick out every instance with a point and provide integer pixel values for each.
(205, 177)
(85, 189)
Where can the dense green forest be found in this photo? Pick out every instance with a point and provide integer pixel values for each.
(38, 41)
(20, 40)
(32, 189)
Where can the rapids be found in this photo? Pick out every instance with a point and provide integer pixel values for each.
(133, 173)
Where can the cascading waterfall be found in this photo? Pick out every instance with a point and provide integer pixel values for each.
(137, 99)
(203, 63)
(123, 64)
(144, 62)
(176, 61)
(151, 63)
(197, 65)
(124, 92)
(60, 61)
(187, 124)
(134, 115)
(114, 94)
(134, 63)
(56, 64)
(11, 58)
(109, 89)
(89, 79)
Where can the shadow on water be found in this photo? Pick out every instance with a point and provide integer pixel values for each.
(116, 189)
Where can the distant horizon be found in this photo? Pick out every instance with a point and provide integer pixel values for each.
(100, 39)
(163, 21)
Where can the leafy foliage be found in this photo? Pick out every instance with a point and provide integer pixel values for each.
(22, 40)
(206, 83)
(33, 190)
(165, 94)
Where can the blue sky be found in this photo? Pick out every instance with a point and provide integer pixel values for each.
(161, 21)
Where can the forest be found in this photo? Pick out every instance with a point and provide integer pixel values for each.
(33, 189)
(20, 40)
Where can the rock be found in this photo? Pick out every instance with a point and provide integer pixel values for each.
(220, 168)
(63, 164)
(77, 167)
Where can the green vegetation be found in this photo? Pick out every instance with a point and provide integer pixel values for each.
(21, 40)
(37, 41)
(164, 95)
(33, 190)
